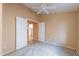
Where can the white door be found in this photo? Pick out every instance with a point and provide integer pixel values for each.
(21, 32)
(41, 31)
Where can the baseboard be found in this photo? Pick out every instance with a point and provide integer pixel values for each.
(69, 47)
(11, 51)
(65, 46)
(8, 52)
(59, 45)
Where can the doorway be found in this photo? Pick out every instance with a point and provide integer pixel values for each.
(32, 32)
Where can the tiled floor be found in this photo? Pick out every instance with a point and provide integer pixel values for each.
(43, 49)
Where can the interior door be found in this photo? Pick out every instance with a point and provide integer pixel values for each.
(41, 31)
(21, 32)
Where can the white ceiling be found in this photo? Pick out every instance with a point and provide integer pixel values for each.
(53, 7)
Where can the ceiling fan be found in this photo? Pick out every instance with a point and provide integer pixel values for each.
(45, 8)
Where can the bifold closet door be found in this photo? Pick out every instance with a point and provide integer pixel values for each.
(21, 32)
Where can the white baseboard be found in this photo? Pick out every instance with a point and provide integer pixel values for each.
(60, 45)
(11, 51)
(8, 52)
(65, 46)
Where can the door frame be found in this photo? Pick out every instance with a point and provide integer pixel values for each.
(34, 21)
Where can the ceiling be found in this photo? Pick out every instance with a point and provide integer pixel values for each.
(53, 7)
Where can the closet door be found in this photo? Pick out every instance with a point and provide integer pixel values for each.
(21, 32)
(41, 31)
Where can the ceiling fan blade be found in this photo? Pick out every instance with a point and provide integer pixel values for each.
(45, 10)
(39, 11)
(51, 7)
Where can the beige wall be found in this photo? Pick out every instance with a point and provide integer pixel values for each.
(35, 31)
(61, 29)
(78, 31)
(0, 28)
(10, 11)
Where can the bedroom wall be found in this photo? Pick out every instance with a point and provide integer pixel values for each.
(61, 28)
(10, 11)
(78, 31)
(0, 29)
